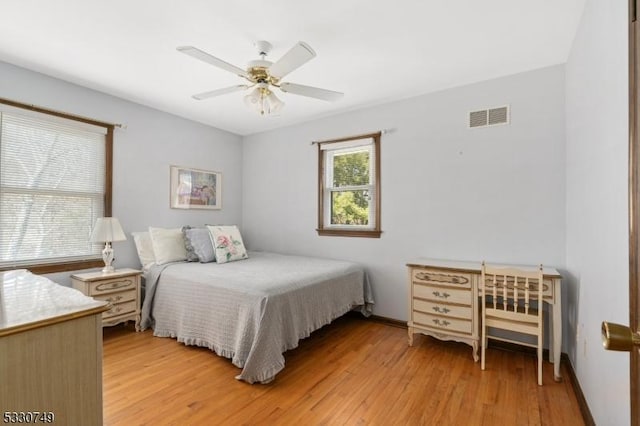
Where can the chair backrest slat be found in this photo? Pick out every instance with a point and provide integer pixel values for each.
(504, 293)
(495, 291)
(516, 285)
(526, 295)
(512, 289)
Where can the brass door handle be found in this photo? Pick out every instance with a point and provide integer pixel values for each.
(617, 337)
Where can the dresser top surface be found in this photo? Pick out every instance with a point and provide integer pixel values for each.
(474, 266)
(99, 275)
(30, 301)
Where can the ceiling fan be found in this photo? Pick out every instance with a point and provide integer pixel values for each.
(264, 75)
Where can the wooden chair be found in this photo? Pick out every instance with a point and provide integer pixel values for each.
(507, 294)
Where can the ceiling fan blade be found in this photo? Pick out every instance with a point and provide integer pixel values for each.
(312, 92)
(299, 55)
(212, 93)
(204, 56)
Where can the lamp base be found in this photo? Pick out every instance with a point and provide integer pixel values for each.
(108, 269)
(107, 256)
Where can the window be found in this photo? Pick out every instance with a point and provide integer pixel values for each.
(349, 186)
(55, 181)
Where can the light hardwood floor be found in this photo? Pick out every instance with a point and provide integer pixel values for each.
(351, 372)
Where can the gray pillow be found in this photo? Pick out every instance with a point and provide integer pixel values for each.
(198, 241)
(191, 253)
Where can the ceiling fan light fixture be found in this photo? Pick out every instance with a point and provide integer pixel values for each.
(252, 99)
(263, 101)
(275, 104)
(264, 76)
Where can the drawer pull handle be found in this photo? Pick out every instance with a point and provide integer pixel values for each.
(114, 299)
(441, 278)
(441, 295)
(115, 309)
(113, 285)
(441, 323)
(440, 310)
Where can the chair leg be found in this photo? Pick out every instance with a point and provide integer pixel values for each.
(483, 346)
(540, 360)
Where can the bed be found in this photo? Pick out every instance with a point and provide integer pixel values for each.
(252, 311)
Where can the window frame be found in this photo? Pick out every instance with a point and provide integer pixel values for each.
(52, 267)
(373, 230)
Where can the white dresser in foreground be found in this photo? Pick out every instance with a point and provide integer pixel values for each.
(50, 352)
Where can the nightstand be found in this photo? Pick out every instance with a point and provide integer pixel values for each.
(120, 288)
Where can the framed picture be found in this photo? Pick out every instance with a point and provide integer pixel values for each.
(195, 189)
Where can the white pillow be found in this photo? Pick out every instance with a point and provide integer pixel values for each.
(227, 243)
(144, 249)
(168, 245)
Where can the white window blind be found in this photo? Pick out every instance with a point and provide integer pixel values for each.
(52, 188)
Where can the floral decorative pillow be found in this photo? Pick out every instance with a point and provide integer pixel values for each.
(227, 243)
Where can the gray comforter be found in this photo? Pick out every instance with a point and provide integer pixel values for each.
(253, 310)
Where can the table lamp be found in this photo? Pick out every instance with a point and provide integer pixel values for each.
(107, 230)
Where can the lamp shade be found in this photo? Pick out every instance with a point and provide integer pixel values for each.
(107, 229)
(275, 104)
(263, 101)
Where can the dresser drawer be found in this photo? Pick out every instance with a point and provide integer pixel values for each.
(120, 309)
(444, 278)
(120, 297)
(442, 294)
(444, 309)
(112, 285)
(442, 323)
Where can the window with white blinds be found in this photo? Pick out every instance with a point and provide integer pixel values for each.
(52, 187)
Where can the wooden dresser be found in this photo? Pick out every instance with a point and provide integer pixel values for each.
(120, 288)
(50, 352)
(443, 303)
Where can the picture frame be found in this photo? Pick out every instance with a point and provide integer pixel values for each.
(195, 189)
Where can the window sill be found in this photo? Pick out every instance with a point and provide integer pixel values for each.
(48, 268)
(369, 233)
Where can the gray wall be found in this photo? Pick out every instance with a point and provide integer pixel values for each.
(447, 191)
(596, 223)
(152, 141)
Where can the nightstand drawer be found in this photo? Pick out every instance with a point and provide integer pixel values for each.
(120, 309)
(445, 309)
(444, 278)
(442, 294)
(443, 323)
(121, 297)
(112, 285)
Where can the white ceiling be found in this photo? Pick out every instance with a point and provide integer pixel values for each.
(374, 51)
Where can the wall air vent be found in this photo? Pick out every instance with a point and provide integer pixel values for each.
(478, 118)
(489, 117)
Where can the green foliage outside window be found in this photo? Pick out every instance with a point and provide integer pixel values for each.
(350, 207)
